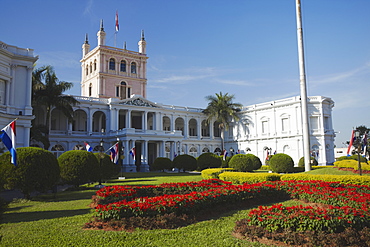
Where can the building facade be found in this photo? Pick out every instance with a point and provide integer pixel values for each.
(113, 107)
(16, 65)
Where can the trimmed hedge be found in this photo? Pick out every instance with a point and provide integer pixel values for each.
(344, 179)
(281, 163)
(312, 159)
(350, 163)
(214, 172)
(245, 162)
(78, 167)
(245, 177)
(161, 163)
(208, 160)
(185, 162)
(352, 157)
(37, 170)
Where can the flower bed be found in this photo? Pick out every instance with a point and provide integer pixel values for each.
(334, 207)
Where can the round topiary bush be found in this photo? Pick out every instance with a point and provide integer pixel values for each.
(312, 159)
(107, 169)
(161, 163)
(281, 163)
(245, 162)
(185, 162)
(208, 160)
(78, 167)
(37, 170)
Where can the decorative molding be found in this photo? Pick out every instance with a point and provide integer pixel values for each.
(3, 46)
(138, 102)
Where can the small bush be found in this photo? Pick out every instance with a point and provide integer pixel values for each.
(245, 162)
(214, 172)
(312, 159)
(208, 160)
(107, 169)
(161, 163)
(37, 170)
(78, 167)
(281, 163)
(352, 157)
(185, 162)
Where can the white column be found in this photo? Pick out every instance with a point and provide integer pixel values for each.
(128, 119)
(145, 120)
(199, 128)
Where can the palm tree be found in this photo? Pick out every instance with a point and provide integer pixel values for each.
(222, 109)
(48, 92)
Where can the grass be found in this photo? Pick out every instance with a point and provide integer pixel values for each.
(49, 221)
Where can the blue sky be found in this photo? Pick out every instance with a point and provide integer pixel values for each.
(199, 47)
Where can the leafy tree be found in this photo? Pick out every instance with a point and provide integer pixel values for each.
(245, 162)
(48, 92)
(281, 163)
(162, 163)
(222, 109)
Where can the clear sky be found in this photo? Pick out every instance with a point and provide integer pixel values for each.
(200, 47)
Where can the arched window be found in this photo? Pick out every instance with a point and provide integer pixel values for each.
(90, 67)
(123, 66)
(87, 69)
(133, 68)
(217, 151)
(90, 90)
(112, 64)
(193, 127)
(193, 152)
(57, 150)
(205, 150)
(94, 64)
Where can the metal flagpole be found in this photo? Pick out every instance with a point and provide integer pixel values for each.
(303, 88)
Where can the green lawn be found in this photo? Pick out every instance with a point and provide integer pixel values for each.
(48, 221)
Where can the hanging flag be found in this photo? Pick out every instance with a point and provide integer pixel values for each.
(133, 153)
(225, 153)
(114, 153)
(88, 147)
(7, 135)
(351, 143)
(267, 155)
(364, 144)
(117, 25)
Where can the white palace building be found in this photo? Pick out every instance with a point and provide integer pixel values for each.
(114, 106)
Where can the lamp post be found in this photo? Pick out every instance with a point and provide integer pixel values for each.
(101, 156)
(359, 144)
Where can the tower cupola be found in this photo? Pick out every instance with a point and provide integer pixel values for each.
(142, 43)
(85, 46)
(101, 34)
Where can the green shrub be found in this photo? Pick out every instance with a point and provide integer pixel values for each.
(352, 157)
(37, 170)
(214, 172)
(78, 167)
(245, 177)
(185, 162)
(265, 168)
(107, 169)
(281, 163)
(224, 163)
(162, 163)
(350, 163)
(345, 179)
(208, 160)
(312, 159)
(245, 162)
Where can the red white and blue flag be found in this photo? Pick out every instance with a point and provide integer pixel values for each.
(117, 25)
(88, 147)
(7, 135)
(225, 153)
(133, 153)
(114, 155)
(351, 143)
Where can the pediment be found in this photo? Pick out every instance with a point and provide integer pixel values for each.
(138, 101)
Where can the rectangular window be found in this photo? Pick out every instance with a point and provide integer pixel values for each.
(326, 123)
(264, 127)
(2, 92)
(284, 124)
(314, 123)
(117, 91)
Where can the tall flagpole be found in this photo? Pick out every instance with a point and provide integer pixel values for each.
(303, 88)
